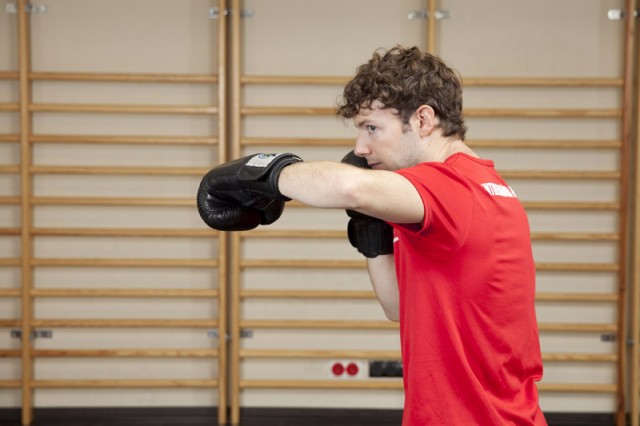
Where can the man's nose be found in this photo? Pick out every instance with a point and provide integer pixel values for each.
(361, 148)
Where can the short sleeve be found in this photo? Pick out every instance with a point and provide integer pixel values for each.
(449, 204)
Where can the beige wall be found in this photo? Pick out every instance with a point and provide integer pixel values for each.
(493, 38)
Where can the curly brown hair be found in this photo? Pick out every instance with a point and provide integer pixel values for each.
(404, 79)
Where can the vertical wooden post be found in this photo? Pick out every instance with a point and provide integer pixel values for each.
(624, 191)
(236, 149)
(25, 185)
(634, 364)
(431, 27)
(222, 236)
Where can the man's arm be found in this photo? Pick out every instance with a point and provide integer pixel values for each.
(382, 273)
(382, 194)
(377, 193)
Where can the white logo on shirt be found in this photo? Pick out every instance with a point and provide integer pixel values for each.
(498, 190)
(395, 239)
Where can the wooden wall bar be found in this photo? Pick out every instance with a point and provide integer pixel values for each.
(232, 263)
(243, 265)
(634, 276)
(31, 291)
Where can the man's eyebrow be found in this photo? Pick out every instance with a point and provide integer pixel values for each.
(362, 123)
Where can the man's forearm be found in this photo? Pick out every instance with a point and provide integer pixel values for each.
(382, 272)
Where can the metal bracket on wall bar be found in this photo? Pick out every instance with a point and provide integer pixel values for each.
(29, 8)
(423, 14)
(35, 334)
(612, 338)
(213, 334)
(214, 13)
(618, 14)
(608, 338)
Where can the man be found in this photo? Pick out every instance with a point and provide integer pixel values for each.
(446, 239)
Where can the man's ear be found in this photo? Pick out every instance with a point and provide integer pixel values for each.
(427, 119)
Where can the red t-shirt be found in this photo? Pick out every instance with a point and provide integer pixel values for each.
(466, 276)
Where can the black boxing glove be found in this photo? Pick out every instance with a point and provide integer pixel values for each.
(242, 194)
(371, 236)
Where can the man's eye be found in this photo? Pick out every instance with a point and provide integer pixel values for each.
(371, 128)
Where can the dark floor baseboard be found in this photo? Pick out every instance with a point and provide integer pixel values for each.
(203, 416)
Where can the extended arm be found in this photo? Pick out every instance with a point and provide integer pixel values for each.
(382, 194)
(250, 191)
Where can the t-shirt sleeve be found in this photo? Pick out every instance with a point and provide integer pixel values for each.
(448, 205)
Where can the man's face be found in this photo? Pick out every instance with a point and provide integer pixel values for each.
(383, 140)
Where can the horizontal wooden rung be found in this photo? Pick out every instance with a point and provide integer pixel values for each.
(574, 236)
(9, 200)
(466, 81)
(341, 234)
(560, 174)
(10, 353)
(10, 384)
(10, 262)
(9, 170)
(368, 294)
(123, 232)
(119, 170)
(544, 143)
(124, 77)
(474, 112)
(542, 113)
(380, 383)
(579, 357)
(320, 324)
(287, 111)
(319, 353)
(577, 297)
(9, 75)
(10, 292)
(127, 140)
(577, 387)
(9, 107)
(391, 383)
(109, 384)
(307, 294)
(125, 323)
(295, 233)
(294, 79)
(124, 292)
(541, 82)
(478, 143)
(302, 263)
(584, 267)
(10, 231)
(114, 201)
(9, 323)
(125, 109)
(357, 264)
(388, 325)
(571, 205)
(578, 327)
(125, 353)
(12, 138)
(297, 142)
(190, 263)
(395, 355)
